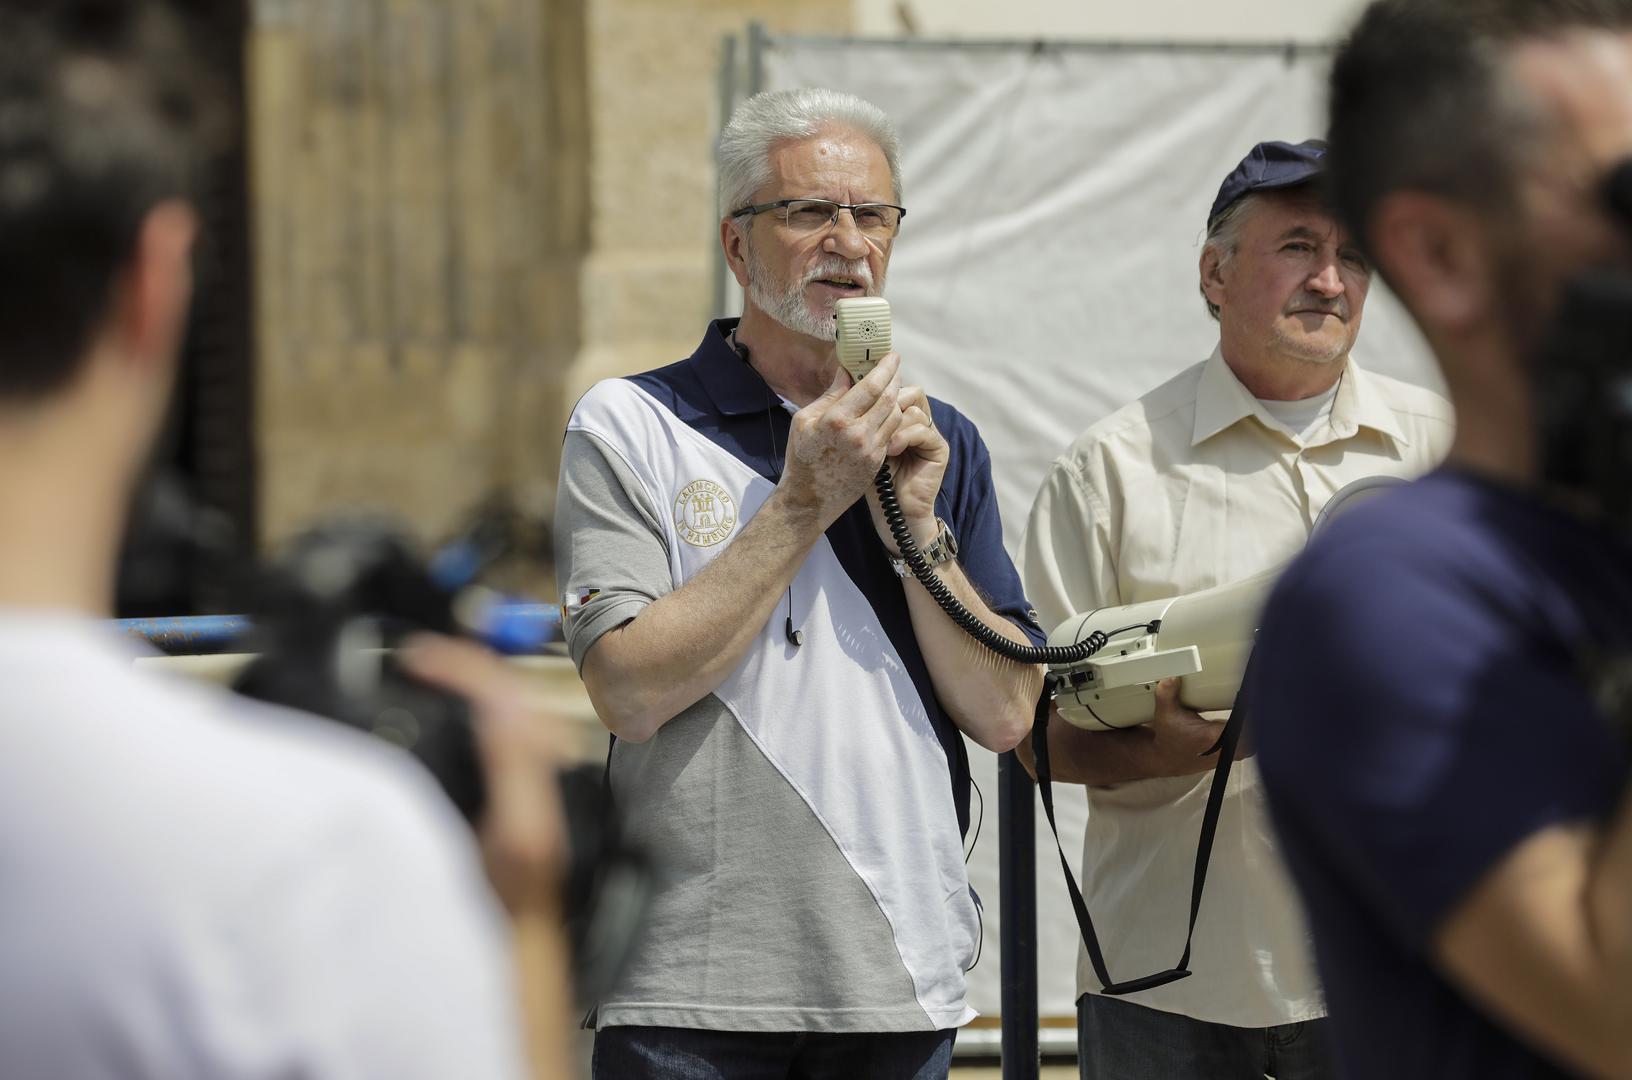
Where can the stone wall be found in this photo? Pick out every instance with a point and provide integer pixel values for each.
(465, 212)
(397, 166)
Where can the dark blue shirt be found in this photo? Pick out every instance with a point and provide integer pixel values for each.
(1424, 702)
(720, 395)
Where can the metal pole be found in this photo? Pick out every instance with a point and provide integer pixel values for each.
(759, 39)
(727, 102)
(1017, 910)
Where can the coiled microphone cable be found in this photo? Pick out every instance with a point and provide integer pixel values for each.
(966, 619)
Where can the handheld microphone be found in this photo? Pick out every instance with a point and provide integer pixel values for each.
(862, 333)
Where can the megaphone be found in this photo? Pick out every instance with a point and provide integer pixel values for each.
(1203, 639)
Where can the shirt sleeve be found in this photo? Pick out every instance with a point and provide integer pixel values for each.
(1067, 559)
(978, 525)
(611, 551)
(1410, 725)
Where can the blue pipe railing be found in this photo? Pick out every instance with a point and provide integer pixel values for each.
(514, 629)
(186, 636)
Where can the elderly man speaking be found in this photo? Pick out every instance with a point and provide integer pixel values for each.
(789, 709)
(1214, 476)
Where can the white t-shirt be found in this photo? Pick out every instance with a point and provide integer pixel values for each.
(192, 885)
(1304, 417)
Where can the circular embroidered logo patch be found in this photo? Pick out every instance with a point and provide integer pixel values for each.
(704, 514)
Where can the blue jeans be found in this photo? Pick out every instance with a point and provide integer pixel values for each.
(657, 1053)
(1118, 1040)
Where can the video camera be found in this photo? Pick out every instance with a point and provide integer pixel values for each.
(1583, 384)
(325, 618)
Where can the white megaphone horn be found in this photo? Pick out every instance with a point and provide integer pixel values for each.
(1202, 638)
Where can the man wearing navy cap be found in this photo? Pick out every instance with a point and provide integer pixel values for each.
(1212, 477)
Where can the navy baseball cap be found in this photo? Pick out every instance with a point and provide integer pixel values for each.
(1269, 166)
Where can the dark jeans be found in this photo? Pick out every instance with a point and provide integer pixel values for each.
(1118, 1040)
(657, 1053)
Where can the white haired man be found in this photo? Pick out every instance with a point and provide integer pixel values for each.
(788, 709)
(1214, 476)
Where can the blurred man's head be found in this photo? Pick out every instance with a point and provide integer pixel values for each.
(1277, 271)
(101, 132)
(1470, 139)
(100, 136)
(785, 159)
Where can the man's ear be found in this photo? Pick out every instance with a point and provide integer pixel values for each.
(1212, 277)
(1437, 257)
(152, 297)
(735, 242)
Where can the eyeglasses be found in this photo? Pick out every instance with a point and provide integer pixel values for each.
(878, 222)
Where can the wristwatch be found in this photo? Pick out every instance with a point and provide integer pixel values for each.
(944, 548)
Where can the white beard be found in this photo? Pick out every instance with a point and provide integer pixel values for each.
(789, 307)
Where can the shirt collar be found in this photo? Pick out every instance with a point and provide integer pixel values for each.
(1360, 403)
(731, 382)
(1222, 401)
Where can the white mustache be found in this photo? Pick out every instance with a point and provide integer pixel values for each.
(857, 271)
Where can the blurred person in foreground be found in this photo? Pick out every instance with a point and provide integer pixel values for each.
(789, 707)
(192, 885)
(1448, 787)
(1215, 476)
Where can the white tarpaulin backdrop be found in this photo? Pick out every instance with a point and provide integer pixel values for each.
(1046, 274)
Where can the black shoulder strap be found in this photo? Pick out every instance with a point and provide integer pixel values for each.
(1225, 749)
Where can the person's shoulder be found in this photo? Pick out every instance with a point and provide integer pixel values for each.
(1420, 544)
(180, 785)
(284, 853)
(1171, 403)
(346, 775)
(627, 393)
(327, 810)
(638, 409)
(668, 384)
(1409, 399)
(968, 460)
(1392, 594)
(276, 772)
(953, 423)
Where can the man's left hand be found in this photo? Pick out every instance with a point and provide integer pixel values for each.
(917, 458)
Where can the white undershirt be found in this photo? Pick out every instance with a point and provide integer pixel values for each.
(1305, 416)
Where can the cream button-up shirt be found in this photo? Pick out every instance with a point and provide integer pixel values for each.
(1192, 486)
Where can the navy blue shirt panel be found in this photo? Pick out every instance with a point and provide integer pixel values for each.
(721, 396)
(1421, 708)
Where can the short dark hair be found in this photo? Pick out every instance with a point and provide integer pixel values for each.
(1418, 99)
(104, 113)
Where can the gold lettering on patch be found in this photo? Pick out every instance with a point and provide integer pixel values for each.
(704, 513)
